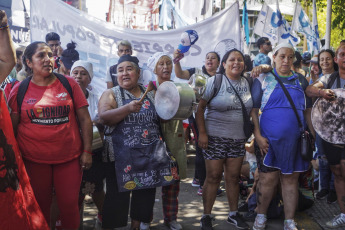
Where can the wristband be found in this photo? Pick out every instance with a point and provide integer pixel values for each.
(319, 92)
(4, 27)
(85, 151)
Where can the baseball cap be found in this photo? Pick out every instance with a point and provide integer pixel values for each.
(188, 38)
(314, 59)
(306, 56)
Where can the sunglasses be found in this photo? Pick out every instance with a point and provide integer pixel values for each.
(268, 43)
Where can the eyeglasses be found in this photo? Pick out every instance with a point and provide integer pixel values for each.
(268, 43)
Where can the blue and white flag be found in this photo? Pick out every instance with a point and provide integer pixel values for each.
(301, 24)
(316, 48)
(272, 24)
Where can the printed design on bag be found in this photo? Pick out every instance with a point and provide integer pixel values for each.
(146, 104)
(127, 169)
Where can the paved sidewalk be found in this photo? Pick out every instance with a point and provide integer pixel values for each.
(191, 208)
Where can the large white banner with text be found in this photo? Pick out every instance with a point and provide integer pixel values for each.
(96, 40)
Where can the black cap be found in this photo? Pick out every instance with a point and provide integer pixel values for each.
(129, 58)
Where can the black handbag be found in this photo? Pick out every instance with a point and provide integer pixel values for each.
(306, 141)
(248, 126)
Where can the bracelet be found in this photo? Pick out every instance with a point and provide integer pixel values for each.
(319, 93)
(4, 27)
(85, 151)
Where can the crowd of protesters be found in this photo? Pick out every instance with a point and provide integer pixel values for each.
(71, 143)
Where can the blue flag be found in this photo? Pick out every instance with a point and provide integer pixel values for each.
(245, 21)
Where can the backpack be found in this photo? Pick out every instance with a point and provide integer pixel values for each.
(9, 87)
(23, 87)
(218, 78)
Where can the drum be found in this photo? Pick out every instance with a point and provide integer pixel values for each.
(328, 118)
(174, 101)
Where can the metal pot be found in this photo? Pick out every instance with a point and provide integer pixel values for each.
(175, 101)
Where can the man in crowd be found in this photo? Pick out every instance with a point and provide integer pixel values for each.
(335, 154)
(265, 46)
(123, 47)
(53, 40)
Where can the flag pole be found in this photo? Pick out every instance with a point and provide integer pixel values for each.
(328, 24)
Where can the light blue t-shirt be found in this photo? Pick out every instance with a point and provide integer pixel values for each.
(260, 59)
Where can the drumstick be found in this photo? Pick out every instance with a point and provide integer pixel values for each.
(149, 88)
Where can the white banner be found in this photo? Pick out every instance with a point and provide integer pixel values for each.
(302, 25)
(96, 40)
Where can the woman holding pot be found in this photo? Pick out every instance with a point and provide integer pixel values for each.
(161, 64)
(278, 133)
(55, 148)
(221, 135)
(136, 156)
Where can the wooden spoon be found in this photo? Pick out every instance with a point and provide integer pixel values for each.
(149, 88)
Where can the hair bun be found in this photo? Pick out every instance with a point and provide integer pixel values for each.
(71, 46)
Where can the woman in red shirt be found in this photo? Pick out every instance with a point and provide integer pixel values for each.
(55, 148)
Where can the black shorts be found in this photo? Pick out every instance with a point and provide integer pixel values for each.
(334, 153)
(93, 178)
(260, 161)
(222, 148)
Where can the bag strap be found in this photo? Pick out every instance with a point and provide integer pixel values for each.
(23, 87)
(218, 78)
(244, 110)
(334, 76)
(65, 84)
(289, 98)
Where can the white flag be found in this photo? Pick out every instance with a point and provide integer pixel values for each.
(301, 24)
(285, 33)
(272, 24)
(316, 41)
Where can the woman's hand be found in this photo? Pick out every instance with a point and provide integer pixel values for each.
(328, 94)
(203, 140)
(85, 160)
(260, 69)
(263, 144)
(177, 53)
(134, 106)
